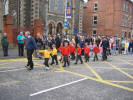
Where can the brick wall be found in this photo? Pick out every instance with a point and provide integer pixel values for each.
(109, 17)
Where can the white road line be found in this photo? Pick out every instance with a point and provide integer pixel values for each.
(47, 90)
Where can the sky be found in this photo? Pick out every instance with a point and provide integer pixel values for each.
(86, 0)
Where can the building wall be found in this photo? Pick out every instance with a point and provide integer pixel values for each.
(54, 16)
(1, 20)
(50, 12)
(109, 14)
(14, 8)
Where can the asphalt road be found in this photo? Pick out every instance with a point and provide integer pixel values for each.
(111, 80)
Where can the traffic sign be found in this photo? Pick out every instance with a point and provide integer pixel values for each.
(65, 24)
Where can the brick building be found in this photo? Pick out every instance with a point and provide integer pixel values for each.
(112, 17)
(1, 19)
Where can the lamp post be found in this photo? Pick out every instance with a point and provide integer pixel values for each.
(65, 20)
(18, 17)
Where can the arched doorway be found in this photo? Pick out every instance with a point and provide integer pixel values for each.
(59, 28)
(50, 28)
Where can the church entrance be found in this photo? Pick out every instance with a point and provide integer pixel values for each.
(59, 28)
(50, 28)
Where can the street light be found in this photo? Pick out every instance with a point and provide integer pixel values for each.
(65, 20)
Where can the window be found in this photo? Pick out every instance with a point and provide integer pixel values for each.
(124, 20)
(94, 32)
(51, 5)
(95, 7)
(131, 10)
(60, 7)
(94, 20)
(124, 5)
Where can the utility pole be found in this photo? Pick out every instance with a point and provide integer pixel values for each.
(65, 20)
(18, 17)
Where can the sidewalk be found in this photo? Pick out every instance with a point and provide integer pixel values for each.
(13, 53)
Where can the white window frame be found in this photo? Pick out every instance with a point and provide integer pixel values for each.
(126, 6)
(95, 20)
(94, 7)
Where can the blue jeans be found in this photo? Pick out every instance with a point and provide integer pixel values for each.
(114, 51)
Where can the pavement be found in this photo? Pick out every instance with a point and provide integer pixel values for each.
(12, 52)
(108, 80)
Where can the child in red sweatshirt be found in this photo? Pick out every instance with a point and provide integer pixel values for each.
(66, 54)
(95, 51)
(61, 50)
(86, 52)
(79, 49)
(72, 50)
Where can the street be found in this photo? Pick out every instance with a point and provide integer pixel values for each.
(108, 80)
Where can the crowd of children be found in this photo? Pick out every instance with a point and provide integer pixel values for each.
(79, 47)
(69, 52)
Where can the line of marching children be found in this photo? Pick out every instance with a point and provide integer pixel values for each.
(68, 53)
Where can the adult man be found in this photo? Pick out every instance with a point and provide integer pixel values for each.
(20, 39)
(105, 45)
(30, 47)
(5, 44)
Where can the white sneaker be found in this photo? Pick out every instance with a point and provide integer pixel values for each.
(46, 68)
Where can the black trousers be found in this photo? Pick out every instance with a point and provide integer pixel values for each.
(87, 57)
(104, 53)
(79, 58)
(54, 58)
(46, 60)
(95, 56)
(20, 49)
(66, 60)
(29, 57)
(5, 51)
(72, 55)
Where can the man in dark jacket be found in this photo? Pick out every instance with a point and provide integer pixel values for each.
(30, 47)
(5, 44)
(105, 45)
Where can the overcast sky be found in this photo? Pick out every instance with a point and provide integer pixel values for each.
(86, 0)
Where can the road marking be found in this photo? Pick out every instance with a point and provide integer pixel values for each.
(59, 71)
(8, 67)
(112, 68)
(12, 70)
(60, 63)
(21, 59)
(120, 70)
(101, 81)
(60, 86)
(123, 61)
(120, 81)
(93, 71)
(5, 63)
(9, 83)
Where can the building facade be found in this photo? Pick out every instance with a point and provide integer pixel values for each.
(13, 10)
(1, 18)
(52, 13)
(111, 17)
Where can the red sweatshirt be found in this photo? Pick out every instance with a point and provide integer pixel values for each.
(86, 50)
(61, 49)
(96, 49)
(79, 51)
(66, 50)
(72, 49)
